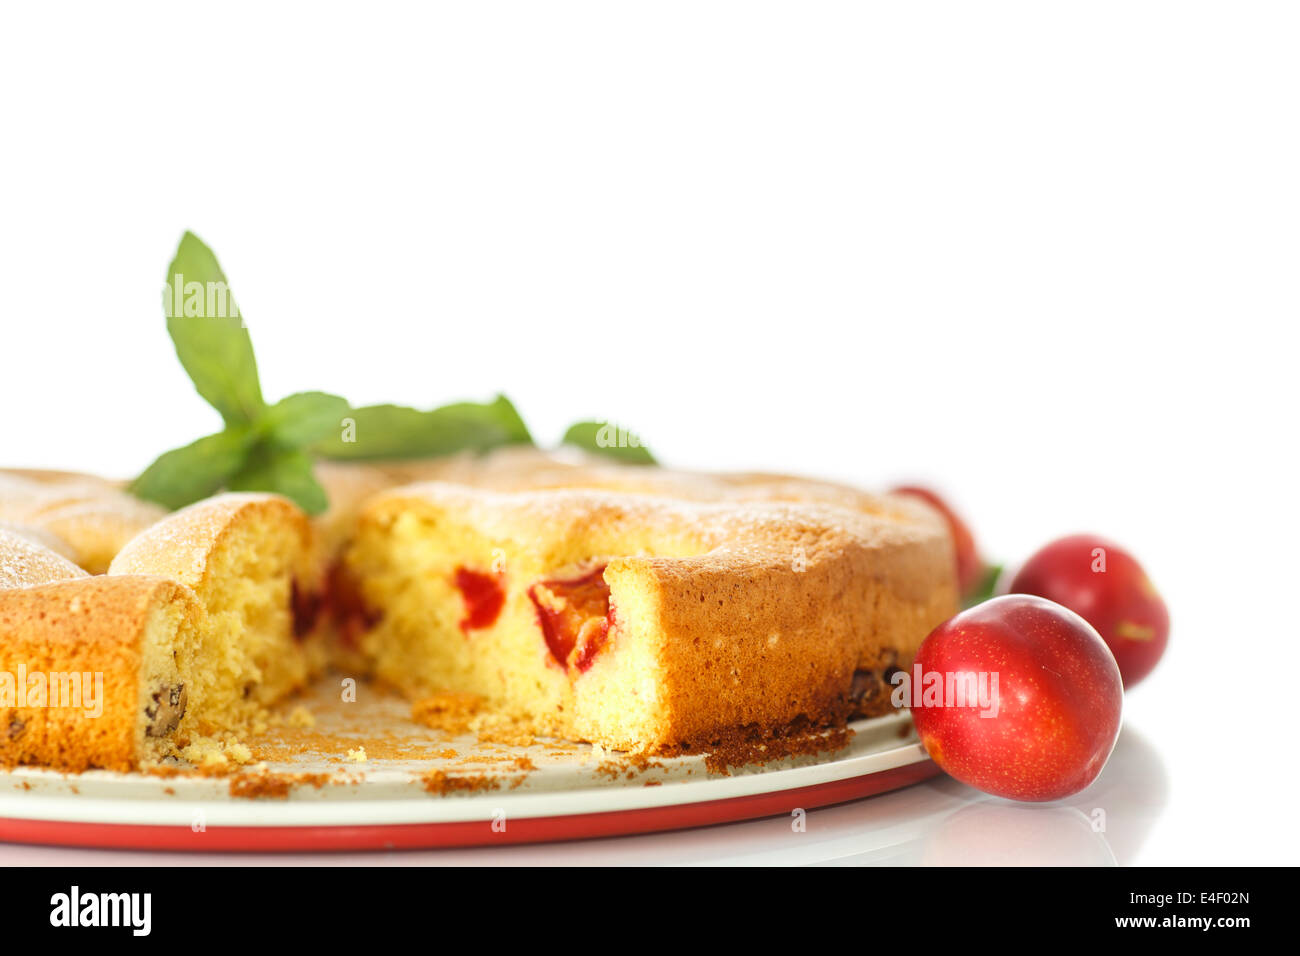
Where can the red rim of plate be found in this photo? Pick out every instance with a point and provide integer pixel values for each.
(415, 836)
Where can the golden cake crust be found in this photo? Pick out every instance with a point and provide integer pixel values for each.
(94, 517)
(88, 625)
(26, 561)
(181, 546)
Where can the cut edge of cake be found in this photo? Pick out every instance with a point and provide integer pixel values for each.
(719, 618)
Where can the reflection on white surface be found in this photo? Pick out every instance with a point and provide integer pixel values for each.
(1000, 834)
(940, 822)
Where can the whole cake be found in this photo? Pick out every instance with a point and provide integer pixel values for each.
(634, 607)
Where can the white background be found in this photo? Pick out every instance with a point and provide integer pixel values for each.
(1042, 256)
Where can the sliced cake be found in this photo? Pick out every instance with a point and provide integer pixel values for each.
(641, 609)
(92, 671)
(646, 621)
(248, 560)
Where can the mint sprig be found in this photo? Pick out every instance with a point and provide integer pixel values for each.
(261, 447)
(274, 447)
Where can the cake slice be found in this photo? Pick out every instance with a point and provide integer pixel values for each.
(248, 560)
(677, 617)
(92, 671)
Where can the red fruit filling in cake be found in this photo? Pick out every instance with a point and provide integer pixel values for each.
(347, 607)
(575, 617)
(484, 597)
(305, 605)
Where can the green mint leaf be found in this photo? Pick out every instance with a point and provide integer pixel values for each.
(399, 432)
(208, 332)
(283, 472)
(498, 416)
(985, 587)
(510, 419)
(183, 476)
(610, 441)
(304, 418)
